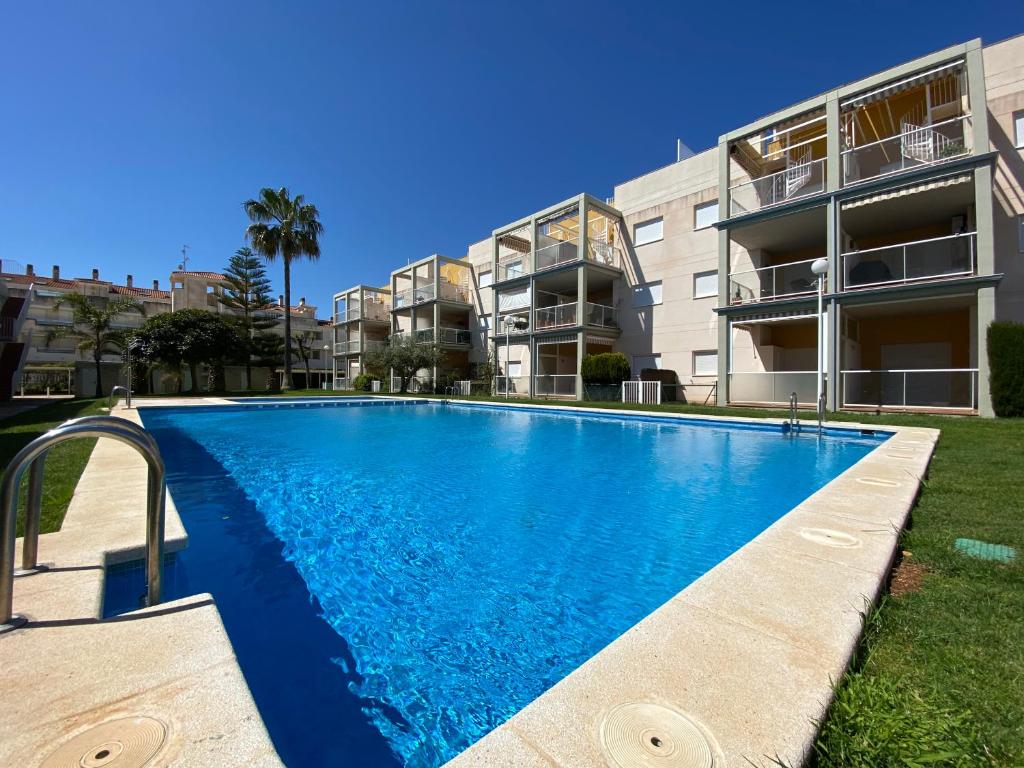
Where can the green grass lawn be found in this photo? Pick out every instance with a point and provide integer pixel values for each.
(939, 680)
(64, 463)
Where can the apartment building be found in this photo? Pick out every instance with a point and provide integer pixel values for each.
(361, 321)
(39, 345)
(908, 184)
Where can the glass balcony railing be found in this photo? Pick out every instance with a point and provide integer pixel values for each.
(780, 281)
(921, 260)
(454, 336)
(777, 188)
(412, 296)
(913, 147)
(553, 253)
(601, 316)
(558, 316)
(512, 385)
(773, 386)
(554, 385)
(937, 388)
(517, 324)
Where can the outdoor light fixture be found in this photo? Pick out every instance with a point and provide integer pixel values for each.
(519, 323)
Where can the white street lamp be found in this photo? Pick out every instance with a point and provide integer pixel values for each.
(820, 268)
(519, 323)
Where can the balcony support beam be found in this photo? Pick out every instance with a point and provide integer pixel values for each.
(581, 343)
(832, 143)
(985, 255)
(724, 323)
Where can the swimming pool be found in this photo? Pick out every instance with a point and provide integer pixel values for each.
(397, 581)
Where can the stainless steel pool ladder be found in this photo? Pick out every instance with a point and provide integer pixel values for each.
(794, 422)
(33, 457)
(821, 411)
(127, 396)
(448, 392)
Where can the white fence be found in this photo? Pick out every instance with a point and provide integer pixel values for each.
(641, 392)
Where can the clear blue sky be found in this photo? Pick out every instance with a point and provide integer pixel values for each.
(129, 129)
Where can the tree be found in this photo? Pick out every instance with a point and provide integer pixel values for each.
(247, 292)
(92, 324)
(286, 228)
(304, 347)
(268, 349)
(404, 356)
(189, 337)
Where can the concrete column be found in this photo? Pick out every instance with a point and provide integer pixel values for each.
(724, 336)
(833, 330)
(833, 165)
(581, 343)
(436, 319)
(976, 93)
(833, 355)
(531, 381)
(583, 227)
(985, 260)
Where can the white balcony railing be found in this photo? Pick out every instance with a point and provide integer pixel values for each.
(512, 385)
(641, 392)
(799, 180)
(781, 281)
(773, 386)
(932, 259)
(913, 147)
(931, 388)
(555, 385)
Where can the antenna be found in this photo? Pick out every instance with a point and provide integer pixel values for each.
(183, 267)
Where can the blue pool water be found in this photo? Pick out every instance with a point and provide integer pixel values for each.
(399, 580)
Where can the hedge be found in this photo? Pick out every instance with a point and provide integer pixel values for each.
(363, 382)
(606, 368)
(1006, 368)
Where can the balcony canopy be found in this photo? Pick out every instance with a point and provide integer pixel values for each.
(906, 84)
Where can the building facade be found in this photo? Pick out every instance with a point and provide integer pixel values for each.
(907, 184)
(39, 347)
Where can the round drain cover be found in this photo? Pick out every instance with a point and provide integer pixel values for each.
(130, 742)
(829, 538)
(642, 734)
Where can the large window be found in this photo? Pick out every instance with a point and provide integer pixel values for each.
(647, 232)
(705, 214)
(515, 368)
(647, 295)
(486, 278)
(705, 362)
(705, 284)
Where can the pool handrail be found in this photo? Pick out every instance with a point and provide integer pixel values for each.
(34, 454)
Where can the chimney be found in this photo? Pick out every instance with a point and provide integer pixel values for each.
(29, 269)
(280, 300)
(128, 281)
(95, 274)
(56, 271)
(302, 301)
(156, 285)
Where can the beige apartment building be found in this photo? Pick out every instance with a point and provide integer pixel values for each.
(909, 184)
(35, 346)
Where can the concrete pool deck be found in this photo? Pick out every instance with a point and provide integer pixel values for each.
(737, 668)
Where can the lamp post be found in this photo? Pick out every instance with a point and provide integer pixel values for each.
(820, 268)
(511, 321)
(323, 384)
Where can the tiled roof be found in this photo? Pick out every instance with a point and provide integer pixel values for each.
(69, 285)
(207, 275)
(153, 293)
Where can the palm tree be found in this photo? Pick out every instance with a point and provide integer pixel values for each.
(92, 324)
(289, 228)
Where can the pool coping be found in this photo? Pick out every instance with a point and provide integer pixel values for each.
(754, 672)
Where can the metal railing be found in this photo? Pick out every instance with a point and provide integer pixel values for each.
(113, 391)
(556, 253)
(412, 296)
(931, 259)
(913, 147)
(512, 385)
(773, 386)
(454, 336)
(779, 281)
(346, 347)
(641, 392)
(33, 457)
(514, 329)
(7, 328)
(773, 189)
(555, 385)
(557, 316)
(929, 388)
(601, 315)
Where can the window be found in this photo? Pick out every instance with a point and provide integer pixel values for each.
(705, 284)
(486, 278)
(705, 214)
(514, 299)
(513, 269)
(647, 232)
(1020, 234)
(515, 368)
(485, 322)
(705, 363)
(1018, 129)
(315, 355)
(647, 295)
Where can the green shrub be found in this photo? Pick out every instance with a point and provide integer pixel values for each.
(363, 382)
(605, 368)
(1006, 368)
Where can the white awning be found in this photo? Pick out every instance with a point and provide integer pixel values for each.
(605, 340)
(776, 317)
(891, 194)
(899, 86)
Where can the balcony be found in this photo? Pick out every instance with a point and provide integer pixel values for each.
(554, 385)
(512, 385)
(915, 146)
(773, 387)
(926, 389)
(601, 316)
(414, 296)
(346, 347)
(772, 283)
(800, 179)
(568, 315)
(556, 253)
(921, 260)
(459, 336)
